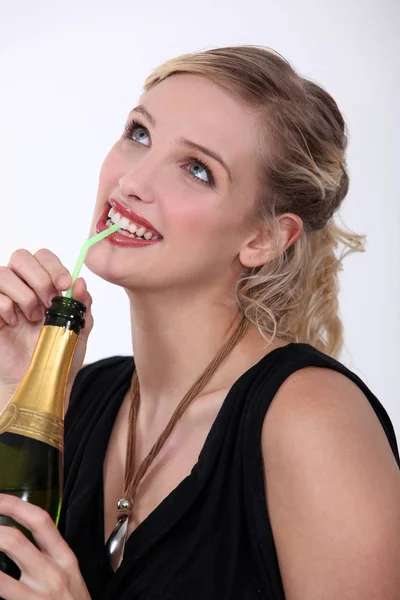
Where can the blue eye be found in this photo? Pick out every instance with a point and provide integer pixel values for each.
(136, 132)
(200, 168)
(131, 128)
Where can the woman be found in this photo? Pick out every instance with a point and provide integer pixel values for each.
(253, 464)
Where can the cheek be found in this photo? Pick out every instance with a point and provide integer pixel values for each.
(203, 229)
(194, 220)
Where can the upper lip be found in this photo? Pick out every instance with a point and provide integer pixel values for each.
(132, 216)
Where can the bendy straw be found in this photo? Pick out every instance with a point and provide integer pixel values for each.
(84, 249)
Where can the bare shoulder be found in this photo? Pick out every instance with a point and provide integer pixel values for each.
(332, 490)
(322, 401)
(319, 404)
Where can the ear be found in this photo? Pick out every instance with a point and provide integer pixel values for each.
(260, 246)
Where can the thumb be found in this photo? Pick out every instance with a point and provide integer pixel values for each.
(80, 292)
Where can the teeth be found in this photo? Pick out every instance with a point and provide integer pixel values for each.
(141, 231)
(147, 236)
(123, 222)
(126, 224)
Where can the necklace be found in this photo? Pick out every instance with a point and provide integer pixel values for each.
(115, 545)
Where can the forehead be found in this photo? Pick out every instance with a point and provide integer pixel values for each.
(196, 108)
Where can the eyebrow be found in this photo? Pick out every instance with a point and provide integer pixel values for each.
(185, 142)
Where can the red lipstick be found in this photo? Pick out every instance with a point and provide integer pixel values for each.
(118, 238)
(132, 216)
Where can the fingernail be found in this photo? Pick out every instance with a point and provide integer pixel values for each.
(37, 314)
(13, 319)
(64, 281)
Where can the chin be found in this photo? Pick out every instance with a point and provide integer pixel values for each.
(110, 268)
(103, 272)
(103, 266)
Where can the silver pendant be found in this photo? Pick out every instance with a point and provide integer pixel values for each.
(115, 545)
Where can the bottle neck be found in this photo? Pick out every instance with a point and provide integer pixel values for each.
(67, 313)
(37, 407)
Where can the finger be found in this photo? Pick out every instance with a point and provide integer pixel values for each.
(11, 589)
(7, 311)
(89, 321)
(40, 524)
(80, 292)
(38, 572)
(60, 276)
(19, 294)
(43, 272)
(30, 560)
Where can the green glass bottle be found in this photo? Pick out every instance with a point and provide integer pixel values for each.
(32, 424)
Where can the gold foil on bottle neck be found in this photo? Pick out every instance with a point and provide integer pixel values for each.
(37, 408)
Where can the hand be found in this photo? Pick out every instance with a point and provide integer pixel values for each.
(27, 285)
(48, 572)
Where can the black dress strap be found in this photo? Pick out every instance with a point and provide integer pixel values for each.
(294, 357)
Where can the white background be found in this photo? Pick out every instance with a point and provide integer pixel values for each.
(70, 73)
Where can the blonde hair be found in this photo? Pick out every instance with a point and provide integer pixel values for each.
(303, 139)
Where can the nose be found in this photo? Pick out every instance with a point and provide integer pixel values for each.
(139, 180)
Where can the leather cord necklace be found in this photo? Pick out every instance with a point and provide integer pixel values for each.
(115, 545)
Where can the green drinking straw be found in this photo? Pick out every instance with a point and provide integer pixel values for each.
(84, 249)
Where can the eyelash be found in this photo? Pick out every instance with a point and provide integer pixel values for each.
(133, 124)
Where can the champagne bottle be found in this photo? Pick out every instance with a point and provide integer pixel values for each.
(32, 424)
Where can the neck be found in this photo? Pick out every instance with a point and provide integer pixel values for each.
(173, 342)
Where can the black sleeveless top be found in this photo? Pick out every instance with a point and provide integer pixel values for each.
(211, 537)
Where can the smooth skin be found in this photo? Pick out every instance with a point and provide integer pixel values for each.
(332, 489)
(337, 535)
(48, 572)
